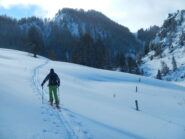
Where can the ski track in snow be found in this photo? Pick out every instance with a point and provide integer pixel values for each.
(66, 123)
(114, 118)
(123, 132)
(70, 120)
(63, 123)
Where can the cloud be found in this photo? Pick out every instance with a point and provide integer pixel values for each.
(19, 11)
(52, 6)
(144, 13)
(134, 14)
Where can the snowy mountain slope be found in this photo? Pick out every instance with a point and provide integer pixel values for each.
(168, 43)
(95, 103)
(98, 26)
(22, 114)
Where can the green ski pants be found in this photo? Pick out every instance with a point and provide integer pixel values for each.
(53, 91)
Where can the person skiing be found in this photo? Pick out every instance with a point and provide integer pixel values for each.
(54, 82)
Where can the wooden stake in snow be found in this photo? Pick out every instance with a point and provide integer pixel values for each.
(136, 89)
(139, 79)
(136, 102)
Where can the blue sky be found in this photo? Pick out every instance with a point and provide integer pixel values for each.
(134, 14)
(18, 11)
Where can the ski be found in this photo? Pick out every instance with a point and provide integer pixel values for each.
(54, 106)
(57, 107)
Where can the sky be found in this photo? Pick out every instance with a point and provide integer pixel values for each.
(134, 14)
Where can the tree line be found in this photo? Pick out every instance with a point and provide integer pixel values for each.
(47, 38)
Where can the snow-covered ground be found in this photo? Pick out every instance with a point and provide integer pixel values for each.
(168, 43)
(95, 103)
(151, 67)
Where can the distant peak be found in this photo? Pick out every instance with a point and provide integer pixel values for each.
(69, 14)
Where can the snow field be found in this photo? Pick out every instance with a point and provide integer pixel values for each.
(95, 103)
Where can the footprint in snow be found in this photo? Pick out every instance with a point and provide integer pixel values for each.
(42, 112)
(45, 120)
(44, 130)
(180, 103)
(80, 124)
(72, 116)
(85, 132)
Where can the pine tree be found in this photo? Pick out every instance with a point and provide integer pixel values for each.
(174, 63)
(158, 76)
(52, 54)
(35, 40)
(85, 52)
(120, 61)
(101, 54)
(142, 72)
(165, 68)
(132, 66)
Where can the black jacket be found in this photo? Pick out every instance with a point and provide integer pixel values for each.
(53, 79)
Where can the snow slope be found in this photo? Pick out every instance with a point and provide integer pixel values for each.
(168, 43)
(95, 103)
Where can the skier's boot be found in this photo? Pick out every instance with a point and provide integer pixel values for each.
(57, 106)
(51, 103)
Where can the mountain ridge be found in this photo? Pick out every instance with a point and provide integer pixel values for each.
(59, 38)
(168, 46)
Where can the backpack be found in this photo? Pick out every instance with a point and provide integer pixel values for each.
(53, 79)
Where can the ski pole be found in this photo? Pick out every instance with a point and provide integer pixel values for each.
(42, 95)
(58, 95)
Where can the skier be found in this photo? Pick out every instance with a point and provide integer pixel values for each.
(54, 82)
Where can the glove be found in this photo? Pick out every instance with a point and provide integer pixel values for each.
(42, 84)
(58, 84)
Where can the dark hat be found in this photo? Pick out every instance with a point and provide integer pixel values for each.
(52, 70)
